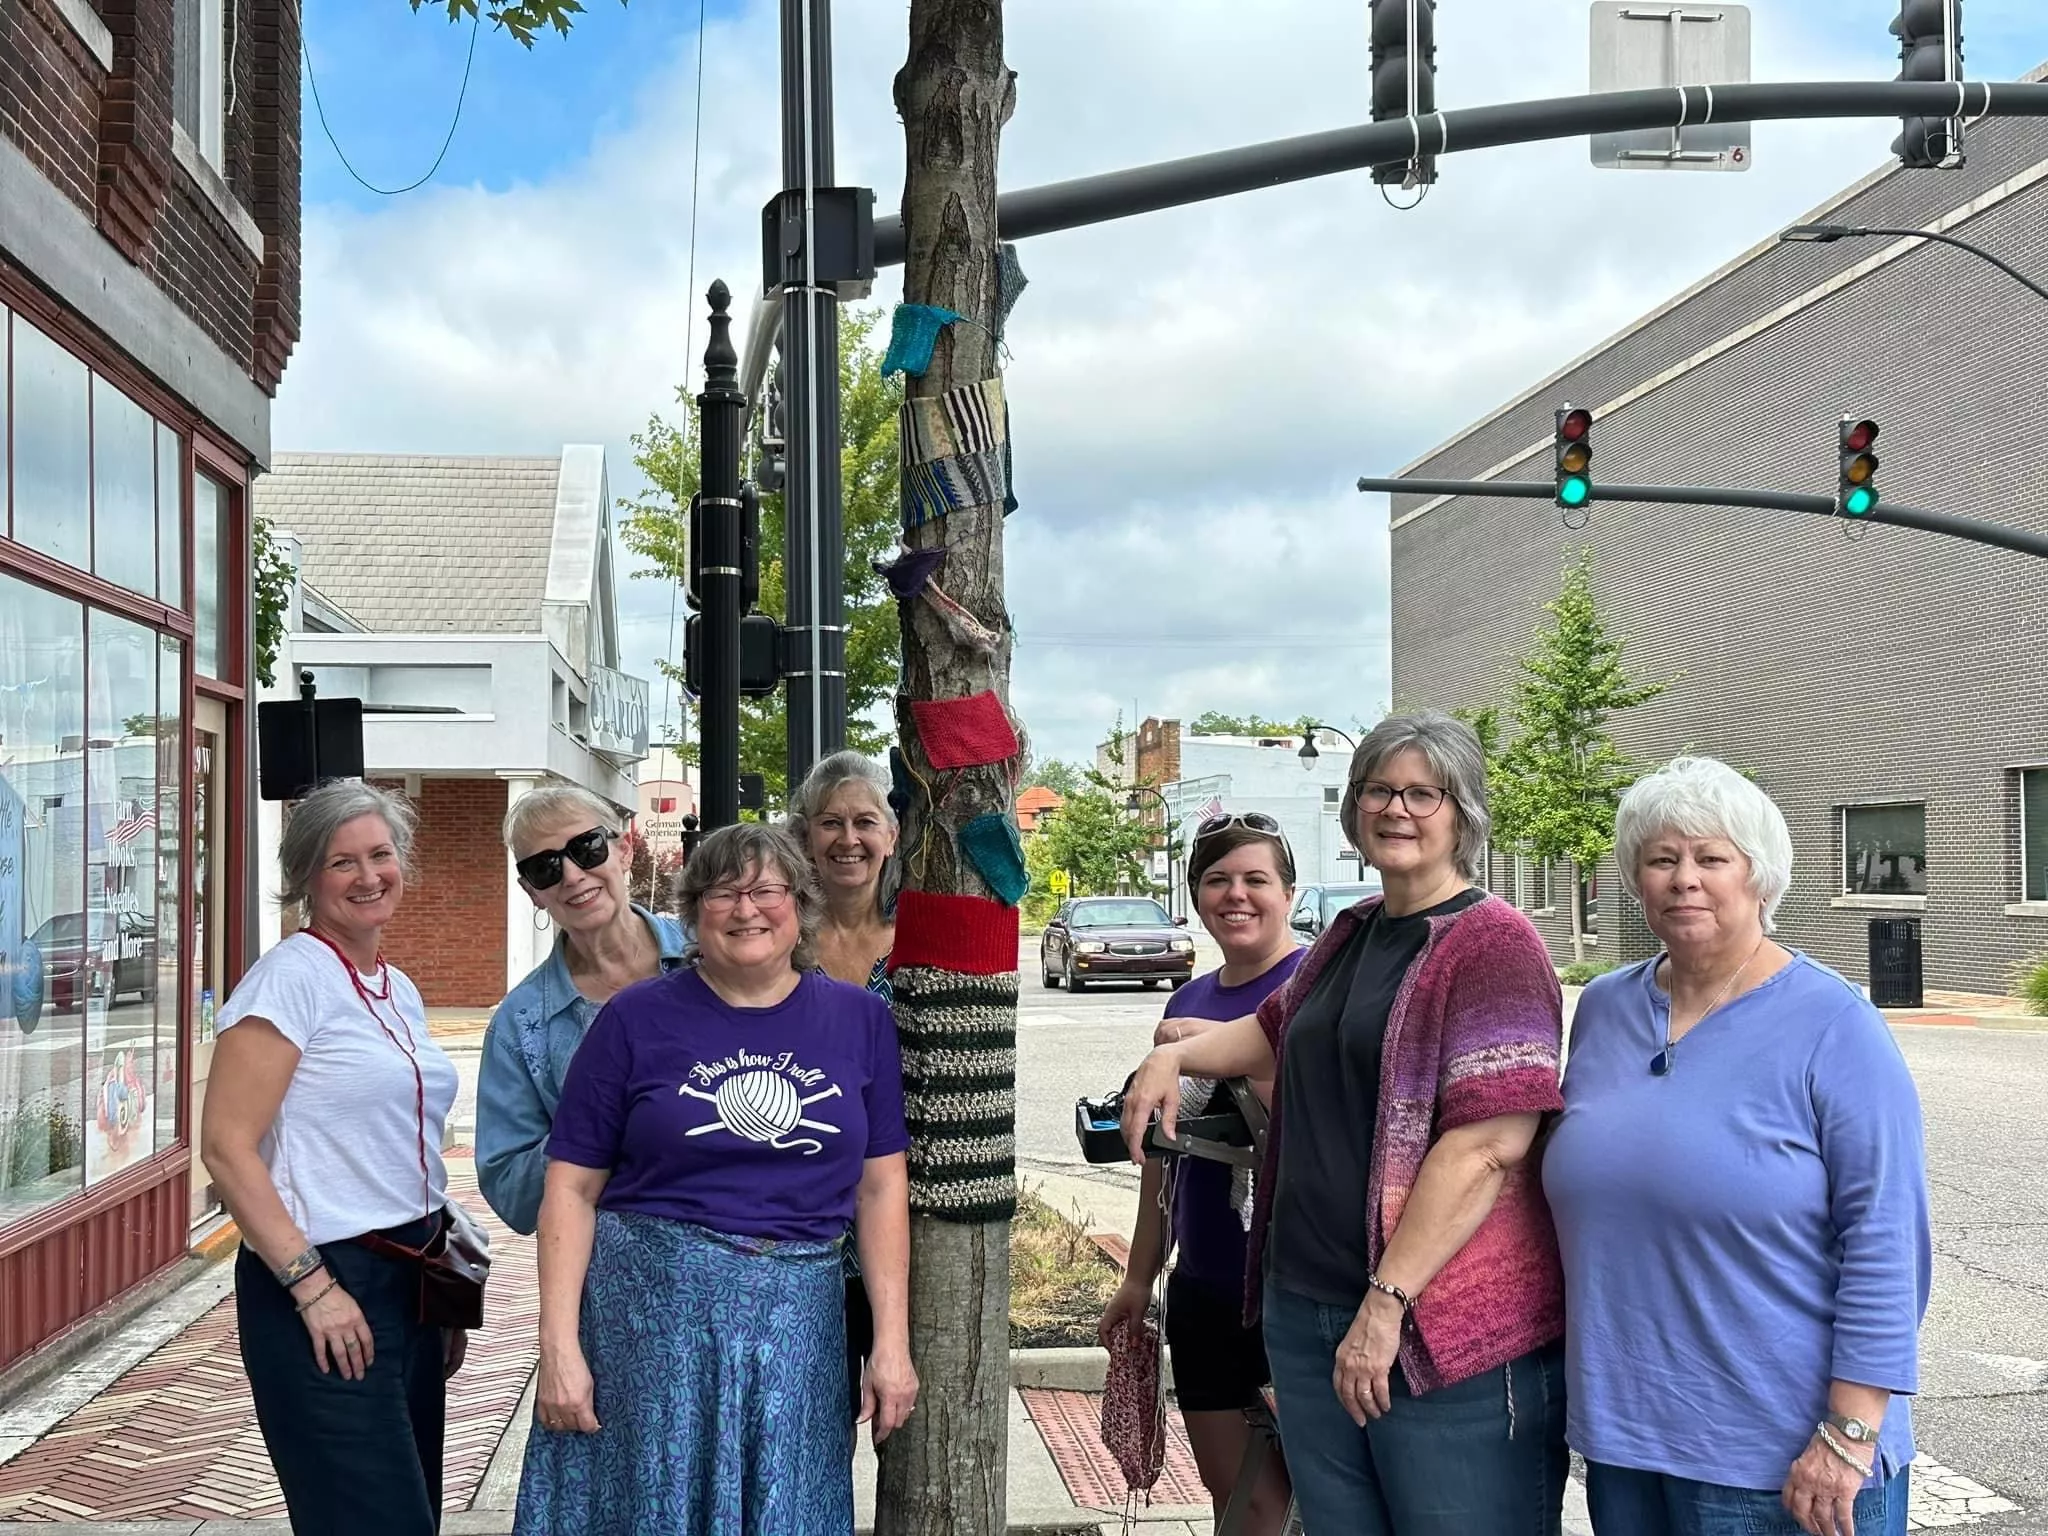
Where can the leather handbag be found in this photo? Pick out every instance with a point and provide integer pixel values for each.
(454, 1264)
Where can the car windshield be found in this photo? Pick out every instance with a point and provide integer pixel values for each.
(1337, 897)
(1121, 914)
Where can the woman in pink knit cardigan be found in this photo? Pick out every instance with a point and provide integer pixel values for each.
(1401, 1251)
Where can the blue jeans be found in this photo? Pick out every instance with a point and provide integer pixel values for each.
(1486, 1454)
(1625, 1502)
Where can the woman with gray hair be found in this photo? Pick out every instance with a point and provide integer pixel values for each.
(1400, 1247)
(721, 1130)
(1741, 1196)
(841, 816)
(324, 1112)
(572, 864)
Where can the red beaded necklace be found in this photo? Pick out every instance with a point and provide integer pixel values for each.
(409, 1047)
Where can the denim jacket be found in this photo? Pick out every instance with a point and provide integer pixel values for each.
(534, 1032)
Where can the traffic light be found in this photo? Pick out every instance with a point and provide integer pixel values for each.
(1856, 491)
(1404, 77)
(1574, 457)
(1930, 34)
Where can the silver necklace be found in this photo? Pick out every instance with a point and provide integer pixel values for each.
(1662, 1063)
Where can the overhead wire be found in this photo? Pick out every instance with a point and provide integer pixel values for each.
(461, 96)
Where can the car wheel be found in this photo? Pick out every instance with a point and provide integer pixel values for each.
(1074, 983)
(1047, 974)
(1179, 982)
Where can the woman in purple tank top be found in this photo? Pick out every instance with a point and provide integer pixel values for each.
(1242, 879)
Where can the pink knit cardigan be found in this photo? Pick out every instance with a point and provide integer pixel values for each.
(1475, 1031)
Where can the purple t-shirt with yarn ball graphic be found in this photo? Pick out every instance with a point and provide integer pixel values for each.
(755, 1122)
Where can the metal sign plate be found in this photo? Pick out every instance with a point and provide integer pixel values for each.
(1640, 45)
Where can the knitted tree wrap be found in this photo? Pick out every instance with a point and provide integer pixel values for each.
(959, 1041)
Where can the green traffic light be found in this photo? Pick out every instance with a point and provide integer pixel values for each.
(1574, 491)
(1859, 501)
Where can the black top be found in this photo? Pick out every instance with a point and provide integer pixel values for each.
(1330, 1094)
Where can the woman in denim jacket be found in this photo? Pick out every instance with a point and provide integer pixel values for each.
(572, 864)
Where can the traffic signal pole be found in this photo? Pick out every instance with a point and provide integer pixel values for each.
(1198, 178)
(1998, 535)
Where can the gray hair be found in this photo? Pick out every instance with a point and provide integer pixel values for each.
(826, 780)
(313, 821)
(725, 856)
(557, 802)
(1454, 755)
(1701, 797)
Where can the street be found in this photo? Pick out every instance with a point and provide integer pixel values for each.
(1984, 1349)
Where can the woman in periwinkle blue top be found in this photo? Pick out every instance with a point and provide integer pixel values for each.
(1740, 1190)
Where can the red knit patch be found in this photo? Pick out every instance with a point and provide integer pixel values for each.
(968, 934)
(964, 733)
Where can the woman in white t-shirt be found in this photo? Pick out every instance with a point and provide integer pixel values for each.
(324, 1113)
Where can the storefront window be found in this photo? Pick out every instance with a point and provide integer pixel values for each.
(210, 549)
(121, 895)
(170, 518)
(52, 456)
(46, 953)
(123, 490)
(170, 781)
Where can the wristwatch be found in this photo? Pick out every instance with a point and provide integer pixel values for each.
(1855, 1431)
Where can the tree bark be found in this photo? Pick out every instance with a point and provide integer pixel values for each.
(1578, 913)
(943, 1473)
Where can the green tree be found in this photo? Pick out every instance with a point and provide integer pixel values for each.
(274, 575)
(1557, 785)
(1099, 843)
(523, 19)
(1215, 723)
(655, 529)
(1061, 777)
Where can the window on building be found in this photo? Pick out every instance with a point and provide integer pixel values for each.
(1884, 850)
(1536, 896)
(170, 778)
(1333, 795)
(2034, 834)
(170, 518)
(199, 56)
(50, 955)
(52, 448)
(124, 518)
(1589, 905)
(212, 545)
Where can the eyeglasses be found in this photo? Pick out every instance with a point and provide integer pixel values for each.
(1418, 800)
(543, 870)
(766, 898)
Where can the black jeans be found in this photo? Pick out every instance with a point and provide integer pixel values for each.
(351, 1456)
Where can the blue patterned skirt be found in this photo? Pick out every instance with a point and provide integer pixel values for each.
(720, 1370)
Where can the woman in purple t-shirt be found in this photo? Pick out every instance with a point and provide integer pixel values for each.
(1241, 876)
(721, 1129)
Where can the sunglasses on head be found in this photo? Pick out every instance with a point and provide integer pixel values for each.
(543, 870)
(1256, 821)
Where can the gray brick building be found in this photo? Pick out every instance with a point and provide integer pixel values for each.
(1890, 691)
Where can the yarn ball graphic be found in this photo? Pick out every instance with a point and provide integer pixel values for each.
(24, 969)
(761, 1106)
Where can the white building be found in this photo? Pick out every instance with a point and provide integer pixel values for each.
(470, 603)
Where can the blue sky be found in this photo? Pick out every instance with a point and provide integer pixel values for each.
(538, 291)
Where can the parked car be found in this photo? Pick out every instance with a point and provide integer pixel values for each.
(1316, 905)
(1115, 938)
(120, 956)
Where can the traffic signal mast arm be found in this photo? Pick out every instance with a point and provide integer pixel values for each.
(1997, 535)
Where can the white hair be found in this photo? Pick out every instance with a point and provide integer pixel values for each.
(550, 803)
(1700, 797)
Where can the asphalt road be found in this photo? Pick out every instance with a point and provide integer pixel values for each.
(1983, 1407)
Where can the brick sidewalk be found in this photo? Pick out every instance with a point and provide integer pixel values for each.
(176, 1438)
(1070, 1424)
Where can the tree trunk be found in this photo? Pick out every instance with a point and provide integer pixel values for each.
(943, 1473)
(1578, 914)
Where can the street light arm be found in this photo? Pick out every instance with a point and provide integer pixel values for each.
(1828, 234)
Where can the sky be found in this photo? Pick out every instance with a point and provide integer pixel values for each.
(1193, 393)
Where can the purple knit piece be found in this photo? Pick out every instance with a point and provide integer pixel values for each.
(909, 571)
(1476, 1032)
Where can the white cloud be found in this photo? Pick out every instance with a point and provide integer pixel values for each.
(1193, 392)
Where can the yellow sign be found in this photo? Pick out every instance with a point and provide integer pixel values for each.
(1058, 881)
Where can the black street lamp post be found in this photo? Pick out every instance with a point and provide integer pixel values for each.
(1309, 754)
(1133, 803)
(1828, 234)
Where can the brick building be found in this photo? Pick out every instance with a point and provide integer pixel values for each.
(149, 299)
(1882, 684)
(470, 604)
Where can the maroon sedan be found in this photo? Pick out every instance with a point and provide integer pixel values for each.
(1115, 938)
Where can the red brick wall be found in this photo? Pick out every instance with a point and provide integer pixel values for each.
(104, 139)
(449, 935)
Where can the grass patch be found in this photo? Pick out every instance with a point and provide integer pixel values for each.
(1059, 1280)
(1579, 972)
(2031, 985)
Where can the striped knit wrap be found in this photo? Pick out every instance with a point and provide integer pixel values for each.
(959, 1039)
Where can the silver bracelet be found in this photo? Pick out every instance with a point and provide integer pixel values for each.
(1842, 1452)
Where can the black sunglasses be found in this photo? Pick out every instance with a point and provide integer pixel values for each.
(543, 870)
